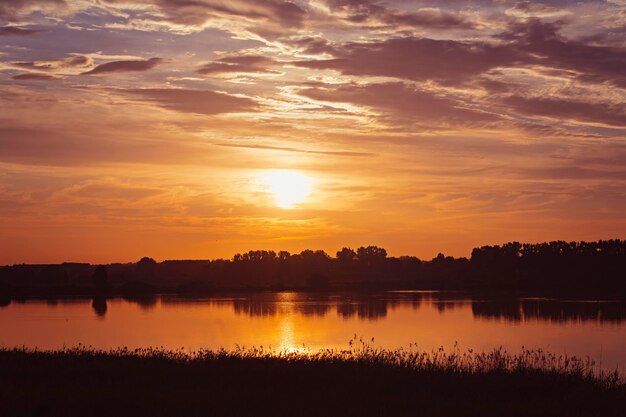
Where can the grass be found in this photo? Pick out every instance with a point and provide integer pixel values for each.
(359, 381)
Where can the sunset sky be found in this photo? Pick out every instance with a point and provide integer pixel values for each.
(181, 129)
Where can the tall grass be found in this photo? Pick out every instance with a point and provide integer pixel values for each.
(361, 380)
(364, 353)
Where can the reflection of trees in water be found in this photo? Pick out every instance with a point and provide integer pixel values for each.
(370, 309)
(273, 305)
(313, 309)
(442, 301)
(366, 306)
(99, 305)
(361, 306)
(449, 305)
(147, 302)
(575, 311)
(508, 309)
(255, 308)
(317, 305)
(551, 310)
(50, 301)
(377, 306)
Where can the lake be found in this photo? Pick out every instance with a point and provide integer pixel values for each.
(301, 321)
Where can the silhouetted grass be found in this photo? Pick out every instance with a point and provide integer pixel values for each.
(360, 381)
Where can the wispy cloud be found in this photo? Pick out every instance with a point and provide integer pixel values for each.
(241, 64)
(125, 66)
(17, 31)
(194, 101)
(30, 76)
(297, 150)
(420, 124)
(14, 10)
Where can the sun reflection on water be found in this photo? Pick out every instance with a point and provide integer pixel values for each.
(287, 302)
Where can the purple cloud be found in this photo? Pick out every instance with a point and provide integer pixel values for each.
(419, 59)
(194, 101)
(367, 13)
(283, 13)
(12, 10)
(399, 100)
(248, 64)
(16, 30)
(29, 76)
(125, 66)
(556, 108)
(594, 63)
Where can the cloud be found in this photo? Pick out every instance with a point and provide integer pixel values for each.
(13, 10)
(73, 61)
(16, 30)
(109, 187)
(478, 128)
(401, 101)
(367, 13)
(296, 150)
(194, 101)
(419, 59)
(312, 45)
(34, 77)
(243, 64)
(573, 173)
(125, 66)
(604, 113)
(529, 9)
(95, 143)
(525, 44)
(285, 14)
(593, 63)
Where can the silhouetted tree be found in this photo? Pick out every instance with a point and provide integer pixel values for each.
(556, 266)
(371, 253)
(100, 277)
(146, 262)
(317, 282)
(346, 255)
(146, 269)
(53, 275)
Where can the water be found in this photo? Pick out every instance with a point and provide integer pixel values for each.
(301, 321)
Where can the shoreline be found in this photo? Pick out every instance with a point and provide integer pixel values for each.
(86, 294)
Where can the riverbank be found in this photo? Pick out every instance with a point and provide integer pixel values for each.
(571, 269)
(361, 381)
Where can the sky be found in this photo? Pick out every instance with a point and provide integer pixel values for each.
(182, 129)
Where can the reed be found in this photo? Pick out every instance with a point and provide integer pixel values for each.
(361, 380)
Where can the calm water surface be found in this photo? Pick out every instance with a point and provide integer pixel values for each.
(288, 320)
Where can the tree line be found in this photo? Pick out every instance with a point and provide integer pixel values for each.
(557, 266)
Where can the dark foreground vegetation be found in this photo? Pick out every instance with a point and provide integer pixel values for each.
(555, 268)
(360, 382)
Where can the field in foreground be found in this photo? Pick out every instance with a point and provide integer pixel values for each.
(359, 382)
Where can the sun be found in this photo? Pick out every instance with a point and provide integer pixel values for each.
(288, 187)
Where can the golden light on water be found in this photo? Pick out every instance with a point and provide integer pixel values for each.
(288, 187)
(287, 331)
